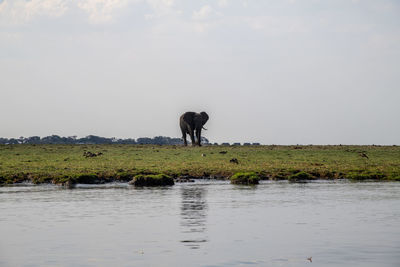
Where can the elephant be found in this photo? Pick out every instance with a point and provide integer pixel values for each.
(190, 123)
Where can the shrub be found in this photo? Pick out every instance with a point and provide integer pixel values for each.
(361, 176)
(41, 179)
(152, 180)
(394, 177)
(77, 179)
(300, 176)
(245, 178)
(86, 179)
(124, 176)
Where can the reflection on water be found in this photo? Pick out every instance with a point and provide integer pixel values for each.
(193, 215)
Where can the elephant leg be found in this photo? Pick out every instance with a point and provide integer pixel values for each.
(184, 138)
(192, 138)
(198, 135)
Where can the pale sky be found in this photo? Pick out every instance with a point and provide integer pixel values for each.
(269, 71)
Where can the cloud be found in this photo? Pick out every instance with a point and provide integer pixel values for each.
(206, 18)
(98, 11)
(161, 4)
(203, 13)
(22, 11)
(223, 3)
(101, 11)
(277, 25)
(162, 8)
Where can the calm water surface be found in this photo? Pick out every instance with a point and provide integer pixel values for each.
(206, 223)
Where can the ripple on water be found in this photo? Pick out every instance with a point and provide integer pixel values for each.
(207, 223)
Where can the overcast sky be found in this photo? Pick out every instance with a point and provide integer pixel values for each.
(269, 71)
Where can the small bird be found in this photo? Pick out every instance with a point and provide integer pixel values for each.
(363, 155)
(309, 259)
(203, 155)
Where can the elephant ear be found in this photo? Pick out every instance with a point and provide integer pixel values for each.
(204, 117)
(188, 117)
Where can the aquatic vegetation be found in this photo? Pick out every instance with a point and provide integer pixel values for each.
(246, 178)
(152, 180)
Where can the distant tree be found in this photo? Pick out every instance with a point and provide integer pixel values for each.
(176, 141)
(161, 140)
(144, 141)
(130, 141)
(52, 139)
(13, 141)
(93, 139)
(32, 140)
(204, 140)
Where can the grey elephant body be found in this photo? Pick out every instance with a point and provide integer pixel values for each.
(192, 123)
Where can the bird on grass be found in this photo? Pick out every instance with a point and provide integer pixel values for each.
(363, 155)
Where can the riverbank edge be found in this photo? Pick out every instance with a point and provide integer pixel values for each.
(293, 176)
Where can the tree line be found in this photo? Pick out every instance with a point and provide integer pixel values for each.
(93, 139)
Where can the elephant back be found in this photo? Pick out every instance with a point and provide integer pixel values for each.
(188, 117)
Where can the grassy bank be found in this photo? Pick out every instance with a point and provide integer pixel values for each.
(105, 163)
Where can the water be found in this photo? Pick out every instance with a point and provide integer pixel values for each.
(206, 223)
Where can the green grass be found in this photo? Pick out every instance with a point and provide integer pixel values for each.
(61, 163)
